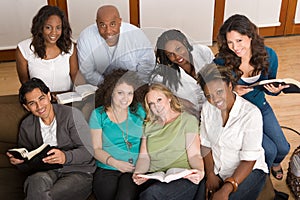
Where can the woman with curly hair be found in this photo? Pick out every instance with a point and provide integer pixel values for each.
(50, 53)
(242, 49)
(116, 128)
(177, 63)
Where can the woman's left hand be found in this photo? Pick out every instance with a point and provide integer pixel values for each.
(271, 88)
(196, 176)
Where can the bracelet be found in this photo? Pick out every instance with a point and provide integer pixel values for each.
(233, 182)
(106, 161)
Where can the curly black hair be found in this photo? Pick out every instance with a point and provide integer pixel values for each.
(111, 80)
(64, 43)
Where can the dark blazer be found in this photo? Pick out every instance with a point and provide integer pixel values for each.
(73, 138)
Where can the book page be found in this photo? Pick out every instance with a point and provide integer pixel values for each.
(85, 90)
(68, 97)
(36, 151)
(292, 81)
(19, 153)
(171, 174)
(156, 175)
(177, 173)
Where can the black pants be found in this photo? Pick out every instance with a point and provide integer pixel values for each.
(113, 185)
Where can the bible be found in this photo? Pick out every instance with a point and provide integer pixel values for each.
(34, 159)
(24, 154)
(80, 92)
(170, 175)
(294, 84)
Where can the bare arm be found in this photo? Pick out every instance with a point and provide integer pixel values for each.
(194, 157)
(239, 175)
(22, 67)
(76, 76)
(143, 161)
(142, 164)
(213, 181)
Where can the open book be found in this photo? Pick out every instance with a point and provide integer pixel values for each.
(81, 91)
(24, 154)
(34, 159)
(170, 175)
(294, 84)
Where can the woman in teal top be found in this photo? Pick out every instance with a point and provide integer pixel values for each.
(170, 140)
(116, 129)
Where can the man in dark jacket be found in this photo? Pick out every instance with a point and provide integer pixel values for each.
(64, 128)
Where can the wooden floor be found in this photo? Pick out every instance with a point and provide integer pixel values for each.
(286, 106)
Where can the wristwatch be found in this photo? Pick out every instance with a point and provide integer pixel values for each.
(233, 182)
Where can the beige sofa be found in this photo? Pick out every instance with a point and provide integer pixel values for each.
(11, 180)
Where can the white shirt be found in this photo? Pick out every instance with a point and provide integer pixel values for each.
(240, 139)
(188, 88)
(49, 132)
(55, 73)
(133, 52)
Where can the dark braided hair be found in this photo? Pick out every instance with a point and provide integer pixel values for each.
(64, 43)
(163, 63)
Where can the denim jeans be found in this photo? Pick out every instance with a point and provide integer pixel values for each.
(54, 184)
(250, 188)
(274, 142)
(174, 190)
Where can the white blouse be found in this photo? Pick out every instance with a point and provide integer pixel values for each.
(54, 72)
(240, 139)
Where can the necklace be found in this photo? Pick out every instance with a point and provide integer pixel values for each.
(124, 134)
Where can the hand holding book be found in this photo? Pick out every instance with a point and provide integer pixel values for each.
(288, 85)
(34, 160)
(172, 174)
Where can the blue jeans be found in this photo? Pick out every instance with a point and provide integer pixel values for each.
(175, 190)
(53, 184)
(274, 142)
(250, 188)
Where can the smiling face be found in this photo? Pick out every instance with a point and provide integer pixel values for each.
(239, 44)
(158, 103)
(109, 23)
(177, 52)
(52, 29)
(39, 104)
(219, 94)
(122, 96)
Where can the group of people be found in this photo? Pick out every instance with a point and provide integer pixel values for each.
(197, 111)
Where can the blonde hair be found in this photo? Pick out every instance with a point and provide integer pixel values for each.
(174, 103)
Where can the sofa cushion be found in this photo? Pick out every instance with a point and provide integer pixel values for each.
(11, 181)
(11, 115)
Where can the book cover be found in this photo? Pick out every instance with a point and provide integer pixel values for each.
(294, 84)
(34, 159)
(170, 175)
(80, 92)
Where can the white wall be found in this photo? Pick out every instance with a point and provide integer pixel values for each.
(262, 13)
(194, 18)
(15, 22)
(297, 15)
(83, 13)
